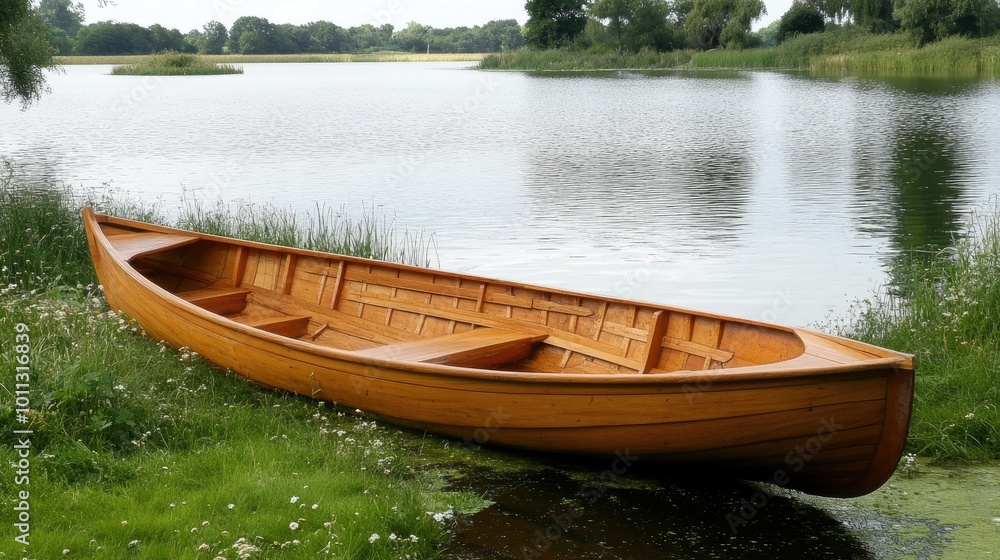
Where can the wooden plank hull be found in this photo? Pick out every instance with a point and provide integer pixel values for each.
(805, 410)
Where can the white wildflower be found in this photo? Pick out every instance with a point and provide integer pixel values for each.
(374, 538)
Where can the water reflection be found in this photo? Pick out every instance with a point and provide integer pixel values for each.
(926, 175)
(564, 513)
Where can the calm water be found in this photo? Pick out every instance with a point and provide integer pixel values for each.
(771, 195)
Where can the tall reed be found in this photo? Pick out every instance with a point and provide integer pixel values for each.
(372, 236)
(571, 59)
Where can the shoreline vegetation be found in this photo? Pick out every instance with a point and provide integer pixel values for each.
(842, 51)
(830, 52)
(77, 60)
(174, 64)
(943, 308)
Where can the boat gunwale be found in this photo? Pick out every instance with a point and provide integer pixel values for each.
(773, 370)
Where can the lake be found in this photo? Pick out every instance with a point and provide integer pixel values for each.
(775, 195)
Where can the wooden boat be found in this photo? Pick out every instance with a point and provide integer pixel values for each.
(516, 365)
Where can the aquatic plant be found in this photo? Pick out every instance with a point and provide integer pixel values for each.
(174, 64)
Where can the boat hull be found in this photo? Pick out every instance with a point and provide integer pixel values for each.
(835, 432)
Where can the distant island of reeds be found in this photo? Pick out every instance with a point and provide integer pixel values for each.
(174, 64)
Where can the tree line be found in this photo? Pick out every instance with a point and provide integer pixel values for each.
(625, 25)
(663, 25)
(256, 35)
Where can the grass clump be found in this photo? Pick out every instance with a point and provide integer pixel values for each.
(373, 236)
(945, 309)
(139, 451)
(174, 64)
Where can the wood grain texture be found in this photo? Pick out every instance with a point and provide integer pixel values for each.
(540, 368)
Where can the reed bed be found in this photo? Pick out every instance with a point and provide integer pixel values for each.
(570, 59)
(944, 308)
(840, 50)
(174, 64)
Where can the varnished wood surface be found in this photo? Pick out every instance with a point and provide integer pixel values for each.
(527, 366)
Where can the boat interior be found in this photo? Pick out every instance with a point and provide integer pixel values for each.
(392, 312)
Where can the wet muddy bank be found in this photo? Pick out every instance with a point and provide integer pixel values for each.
(566, 510)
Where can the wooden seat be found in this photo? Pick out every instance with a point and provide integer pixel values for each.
(217, 300)
(283, 325)
(479, 348)
(134, 245)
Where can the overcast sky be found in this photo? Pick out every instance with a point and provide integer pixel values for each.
(193, 14)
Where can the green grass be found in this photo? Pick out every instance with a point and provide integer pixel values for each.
(280, 58)
(139, 451)
(945, 309)
(174, 64)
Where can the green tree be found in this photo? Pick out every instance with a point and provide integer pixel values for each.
(616, 16)
(832, 10)
(800, 19)
(653, 28)
(25, 52)
(554, 23)
(111, 38)
(723, 23)
(290, 39)
(62, 14)
(331, 38)
(932, 20)
(163, 39)
(874, 15)
(261, 36)
(412, 39)
(501, 35)
(636, 24)
(213, 38)
(61, 41)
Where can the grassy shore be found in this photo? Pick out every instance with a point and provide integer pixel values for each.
(842, 50)
(139, 451)
(276, 58)
(174, 64)
(945, 309)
